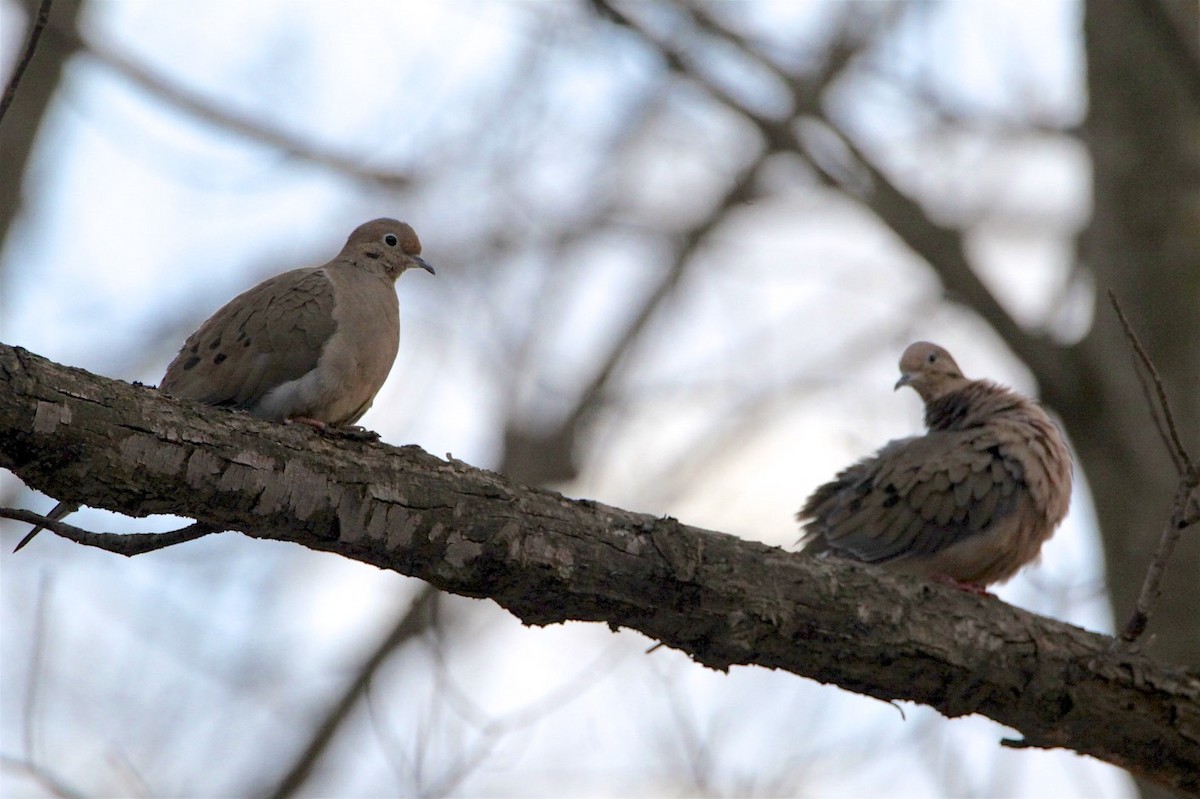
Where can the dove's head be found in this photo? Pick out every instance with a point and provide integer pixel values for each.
(929, 370)
(392, 243)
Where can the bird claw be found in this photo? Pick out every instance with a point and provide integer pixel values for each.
(353, 433)
(970, 588)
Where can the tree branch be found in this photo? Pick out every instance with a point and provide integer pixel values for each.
(549, 559)
(127, 544)
(35, 33)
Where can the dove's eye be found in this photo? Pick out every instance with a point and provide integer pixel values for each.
(932, 357)
(391, 240)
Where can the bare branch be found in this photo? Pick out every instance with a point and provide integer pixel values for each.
(1189, 483)
(547, 559)
(35, 33)
(1178, 452)
(1152, 585)
(127, 544)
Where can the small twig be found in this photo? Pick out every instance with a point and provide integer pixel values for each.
(1152, 585)
(1156, 417)
(128, 544)
(1189, 478)
(1176, 444)
(35, 33)
(59, 512)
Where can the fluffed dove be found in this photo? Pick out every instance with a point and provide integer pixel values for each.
(310, 345)
(970, 502)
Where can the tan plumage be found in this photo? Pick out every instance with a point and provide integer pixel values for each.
(312, 345)
(971, 501)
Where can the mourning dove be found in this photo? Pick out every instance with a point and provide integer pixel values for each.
(310, 345)
(970, 502)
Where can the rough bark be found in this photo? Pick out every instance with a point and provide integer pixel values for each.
(549, 559)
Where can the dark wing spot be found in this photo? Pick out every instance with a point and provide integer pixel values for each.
(215, 343)
(190, 363)
(220, 357)
(891, 501)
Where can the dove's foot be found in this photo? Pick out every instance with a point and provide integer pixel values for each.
(353, 433)
(970, 588)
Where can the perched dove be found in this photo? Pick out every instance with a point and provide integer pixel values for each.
(311, 345)
(970, 502)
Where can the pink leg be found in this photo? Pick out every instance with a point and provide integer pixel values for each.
(349, 433)
(972, 588)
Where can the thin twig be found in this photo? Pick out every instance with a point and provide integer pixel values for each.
(35, 33)
(1152, 585)
(1188, 480)
(1175, 443)
(59, 512)
(127, 544)
(1156, 416)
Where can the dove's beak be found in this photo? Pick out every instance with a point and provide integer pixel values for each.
(904, 380)
(421, 262)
